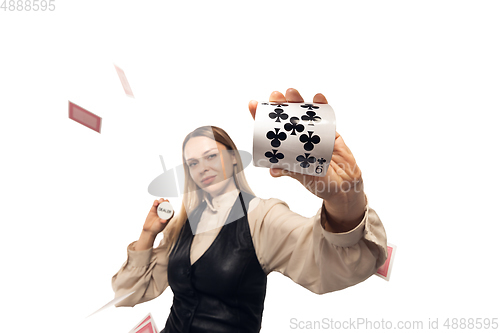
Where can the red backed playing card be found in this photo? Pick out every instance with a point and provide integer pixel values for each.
(148, 328)
(124, 81)
(148, 318)
(384, 271)
(147, 325)
(84, 117)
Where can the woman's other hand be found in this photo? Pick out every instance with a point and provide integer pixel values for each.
(154, 224)
(151, 228)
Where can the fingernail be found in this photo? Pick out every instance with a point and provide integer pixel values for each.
(275, 172)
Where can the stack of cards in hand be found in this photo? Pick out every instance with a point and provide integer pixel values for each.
(147, 325)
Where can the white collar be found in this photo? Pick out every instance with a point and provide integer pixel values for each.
(222, 201)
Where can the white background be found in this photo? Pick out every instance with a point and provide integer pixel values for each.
(415, 88)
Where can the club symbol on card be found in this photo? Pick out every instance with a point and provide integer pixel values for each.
(311, 117)
(306, 160)
(310, 140)
(309, 106)
(279, 105)
(276, 137)
(278, 114)
(294, 125)
(274, 156)
(319, 168)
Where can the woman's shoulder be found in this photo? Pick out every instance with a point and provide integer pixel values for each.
(272, 219)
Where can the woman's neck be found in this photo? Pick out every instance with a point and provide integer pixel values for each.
(231, 186)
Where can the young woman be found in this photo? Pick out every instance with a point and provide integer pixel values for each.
(217, 251)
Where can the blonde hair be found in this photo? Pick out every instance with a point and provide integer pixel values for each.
(193, 195)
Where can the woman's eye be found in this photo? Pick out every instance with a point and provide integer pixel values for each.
(211, 156)
(192, 164)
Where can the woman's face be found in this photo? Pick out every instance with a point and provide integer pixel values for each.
(210, 165)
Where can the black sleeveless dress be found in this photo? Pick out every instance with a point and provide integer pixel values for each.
(224, 290)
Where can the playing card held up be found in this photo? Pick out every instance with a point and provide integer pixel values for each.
(297, 137)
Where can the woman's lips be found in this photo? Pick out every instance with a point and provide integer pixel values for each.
(208, 180)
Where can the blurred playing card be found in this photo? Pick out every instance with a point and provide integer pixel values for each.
(84, 117)
(384, 271)
(144, 321)
(124, 81)
(147, 325)
(112, 302)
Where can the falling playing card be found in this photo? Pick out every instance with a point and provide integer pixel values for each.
(147, 325)
(298, 137)
(112, 302)
(84, 117)
(124, 81)
(384, 271)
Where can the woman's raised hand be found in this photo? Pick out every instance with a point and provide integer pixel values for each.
(154, 224)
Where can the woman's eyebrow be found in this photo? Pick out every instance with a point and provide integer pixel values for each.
(206, 152)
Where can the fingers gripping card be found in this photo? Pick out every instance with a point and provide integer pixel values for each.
(297, 137)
